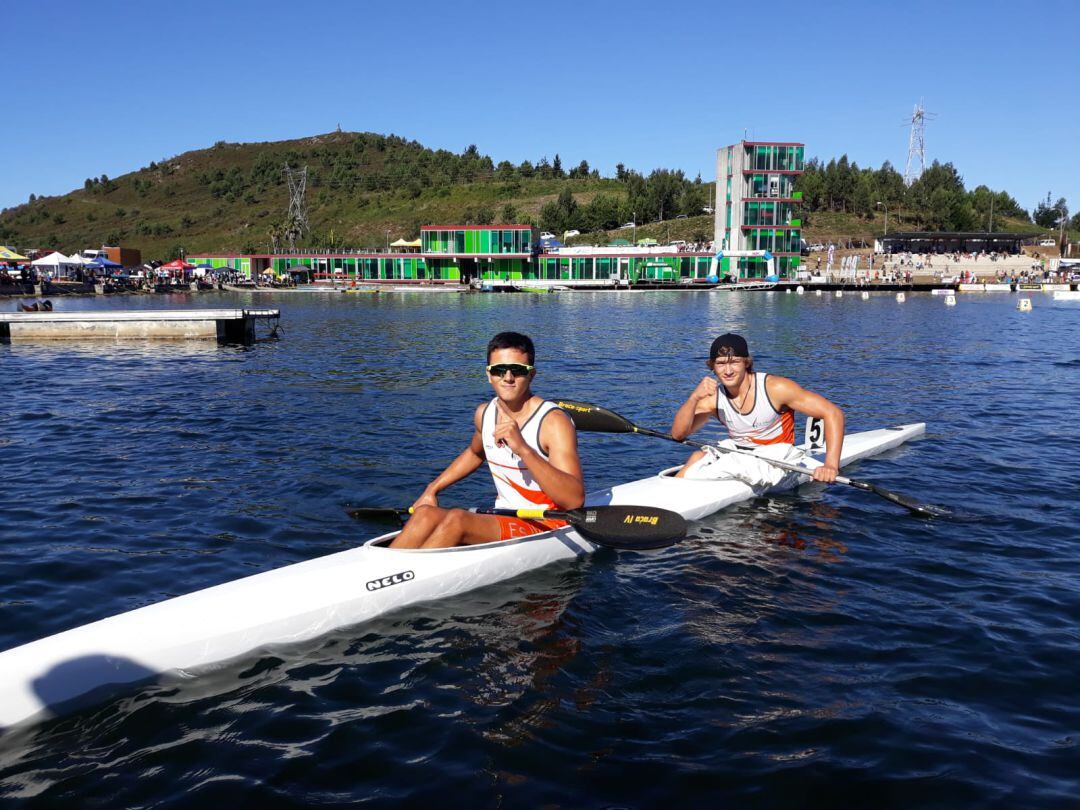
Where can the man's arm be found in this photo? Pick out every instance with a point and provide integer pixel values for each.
(788, 393)
(695, 412)
(559, 475)
(467, 462)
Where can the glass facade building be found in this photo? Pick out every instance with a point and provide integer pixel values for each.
(756, 205)
(477, 240)
(497, 253)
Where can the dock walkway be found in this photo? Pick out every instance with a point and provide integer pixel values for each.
(225, 325)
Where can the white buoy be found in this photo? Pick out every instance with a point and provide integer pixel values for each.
(1024, 305)
(800, 289)
(865, 296)
(817, 292)
(788, 290)
(900, 298)
(839, 293)
(950, 300)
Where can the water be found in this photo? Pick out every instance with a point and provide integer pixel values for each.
(818, 649)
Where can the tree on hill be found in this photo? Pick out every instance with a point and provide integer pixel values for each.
(581, 170)
(559, 216)
(936, 200)
(1048, 215)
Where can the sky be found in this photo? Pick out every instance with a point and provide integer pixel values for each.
(106, 87)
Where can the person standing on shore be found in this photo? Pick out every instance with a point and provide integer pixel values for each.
(530, 446)
(755, 407)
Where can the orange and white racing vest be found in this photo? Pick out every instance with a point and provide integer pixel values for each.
(763, 424)
(515, 484)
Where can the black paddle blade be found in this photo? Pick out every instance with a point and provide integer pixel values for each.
(627, 527)
(377, 513)
(595, 419)
(920, 509)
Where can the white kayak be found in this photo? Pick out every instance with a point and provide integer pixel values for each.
(302, 601)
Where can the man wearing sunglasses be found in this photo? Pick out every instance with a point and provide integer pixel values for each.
(530, 447)
(756, 408)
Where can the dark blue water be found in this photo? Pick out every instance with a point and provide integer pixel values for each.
(815, 649)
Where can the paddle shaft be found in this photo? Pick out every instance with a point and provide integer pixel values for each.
(617, 526)
(590, 417)
(783, 465)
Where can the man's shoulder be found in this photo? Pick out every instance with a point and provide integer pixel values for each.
(779, 387)
(554, 415)
(478, 414)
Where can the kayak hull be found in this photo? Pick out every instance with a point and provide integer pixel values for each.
(298, 602)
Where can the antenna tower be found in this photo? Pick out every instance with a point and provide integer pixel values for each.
(916, 144)
(296, 221)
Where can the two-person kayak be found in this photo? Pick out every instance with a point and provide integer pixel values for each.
(86, 664)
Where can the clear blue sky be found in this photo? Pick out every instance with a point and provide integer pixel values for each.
(106, 87)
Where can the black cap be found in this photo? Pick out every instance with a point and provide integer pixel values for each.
(729, 344)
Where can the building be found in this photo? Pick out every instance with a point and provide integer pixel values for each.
(953, 242)
(499, 256)
(125, 257)
(756, 206)
(756, 231)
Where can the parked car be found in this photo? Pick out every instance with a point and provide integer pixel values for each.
(546, 235)
(817, 246)
(568, 234)
(1047, 243)
(681, 216)
(708, 209)
(627, 226)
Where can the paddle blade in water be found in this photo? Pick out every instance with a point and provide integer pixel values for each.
(920, 509)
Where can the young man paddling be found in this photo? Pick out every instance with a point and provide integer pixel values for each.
(757, 408)
(530, 447)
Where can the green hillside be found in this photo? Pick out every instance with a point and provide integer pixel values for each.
(231, 197)
(366, 189)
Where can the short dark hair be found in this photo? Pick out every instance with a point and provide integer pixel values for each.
(512, 340)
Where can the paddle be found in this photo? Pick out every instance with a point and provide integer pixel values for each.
(627, 528)
(595, 419)
(378, 513)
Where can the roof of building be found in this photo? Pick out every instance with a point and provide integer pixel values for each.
(959, 235)
(475, 227)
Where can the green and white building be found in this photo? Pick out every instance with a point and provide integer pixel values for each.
(756, 205)
(756, 232)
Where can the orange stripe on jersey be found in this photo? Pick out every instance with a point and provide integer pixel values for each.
(536, 496)
(787, 431)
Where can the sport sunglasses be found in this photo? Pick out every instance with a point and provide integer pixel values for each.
(517, 369)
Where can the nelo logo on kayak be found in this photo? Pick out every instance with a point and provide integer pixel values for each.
(393, 579)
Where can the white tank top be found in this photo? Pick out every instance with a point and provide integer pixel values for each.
(762, 425)
(515, 484)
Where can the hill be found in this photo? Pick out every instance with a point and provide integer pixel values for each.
(366, 189)
(234, 197)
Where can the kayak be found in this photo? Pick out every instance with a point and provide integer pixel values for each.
(87, 664)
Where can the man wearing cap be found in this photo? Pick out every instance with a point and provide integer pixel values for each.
(755, 407)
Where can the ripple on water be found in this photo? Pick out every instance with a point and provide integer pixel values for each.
(822, 648)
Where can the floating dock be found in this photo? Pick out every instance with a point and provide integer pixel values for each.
(224, 325)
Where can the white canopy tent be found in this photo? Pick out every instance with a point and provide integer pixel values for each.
(55, 261)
